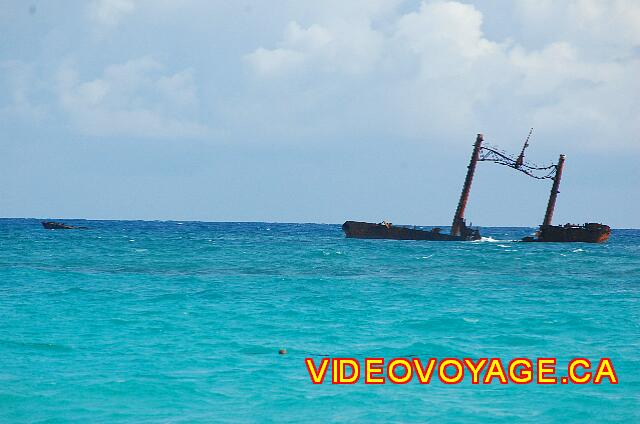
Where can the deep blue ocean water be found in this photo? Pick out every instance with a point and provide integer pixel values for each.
(136, 322)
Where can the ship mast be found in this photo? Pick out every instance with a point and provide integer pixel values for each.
(520, 160)
(554, 192)
(458, 218)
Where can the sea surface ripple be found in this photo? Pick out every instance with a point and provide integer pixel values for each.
(135, 321)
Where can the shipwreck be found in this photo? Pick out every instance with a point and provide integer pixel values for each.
(590, 232)
(52, 225)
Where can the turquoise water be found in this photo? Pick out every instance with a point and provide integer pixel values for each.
(137, 322)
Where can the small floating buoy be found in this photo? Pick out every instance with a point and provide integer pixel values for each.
(282, 351)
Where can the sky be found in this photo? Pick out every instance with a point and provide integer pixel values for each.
(308, 111)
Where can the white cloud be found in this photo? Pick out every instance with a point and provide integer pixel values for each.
(611, 19)
(433, 70)
(445, 27)
(598, 28)
(350, 47)
(108, 13)
(273, 62)
(21, 86)
(132, 99)
(321, 70)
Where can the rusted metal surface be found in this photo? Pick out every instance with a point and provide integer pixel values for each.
(458, 217)
(588, 233)
(551, 205)
(520, 160)
(495, 155)
(366, 230)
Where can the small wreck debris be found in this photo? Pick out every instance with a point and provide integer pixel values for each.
(51, 225)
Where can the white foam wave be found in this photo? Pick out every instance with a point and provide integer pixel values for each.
(487, 239)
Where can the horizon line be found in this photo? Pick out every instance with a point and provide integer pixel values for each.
(273, 222)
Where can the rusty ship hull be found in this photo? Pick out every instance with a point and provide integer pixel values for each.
(587, 233)
(366, 230)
